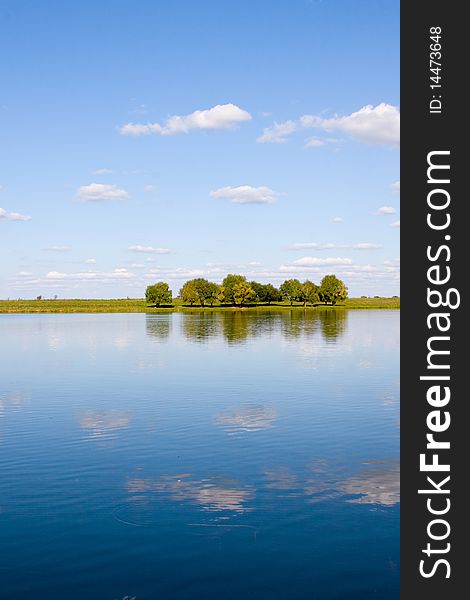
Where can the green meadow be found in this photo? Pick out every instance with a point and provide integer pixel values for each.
(135, 305)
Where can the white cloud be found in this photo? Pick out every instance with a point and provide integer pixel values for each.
(25, 274)
(329, 246)
(222, 116)
(97, 192)
(102, 172)
(148, 188)
(13, 216)
(367, 246)
(58, 248)
(277, 133)
(386, 210)
(371, 124)
(395, 186)
(395, 224)
(338, 219)
(312, 261)
(314, 142)
(178, 273)
(149, 249)
(90, 261)
(246, 194)
(311, 246)
(90, 275)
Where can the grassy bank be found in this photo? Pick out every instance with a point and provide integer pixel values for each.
(134, 305)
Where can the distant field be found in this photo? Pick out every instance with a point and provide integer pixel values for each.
(139, 305)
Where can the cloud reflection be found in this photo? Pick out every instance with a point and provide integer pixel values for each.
(212, 494)
(12, 401)
(247, 418)
(103, 424)
(378, 484)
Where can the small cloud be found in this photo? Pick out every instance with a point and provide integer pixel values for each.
(312, 261)
(98, 192)
(246, 194)
(142, 109)
(117, 274)
(25, 274)
(58, 249)
(386, 210)
(222, 116)
(90, 261)
(277, 133)
(149, 249)
(371, 124)
(366, 246)
(311, 246)
(338, 220)
(102, 172)
(13, 216)
(395, 187)
(395, 224)
(314, 142)
(149, 188)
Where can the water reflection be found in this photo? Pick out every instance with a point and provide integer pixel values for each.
(377, 484)
(237, 326)
(158, 327)
(12, 401)
(200, 326)
(247, 418)
(333, 323)
(283, 480)
(103, 424)
(212, 494)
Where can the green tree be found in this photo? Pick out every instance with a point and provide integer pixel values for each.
(271, 293)
(258, 290)
(158, 293)
(221, 294)
(332, 290)
(212, 292)
(203, 290)
(291, 290)
(229, 282)
(242, 292)
(310, 292)
(265, 292)
(189, 293)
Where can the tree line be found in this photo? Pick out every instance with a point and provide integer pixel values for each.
(235, 290)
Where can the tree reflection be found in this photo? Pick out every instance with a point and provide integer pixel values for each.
(200, 326)
(236, 326)
(158, 327)
(333, 323)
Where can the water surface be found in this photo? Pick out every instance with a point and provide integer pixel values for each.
(233, 455)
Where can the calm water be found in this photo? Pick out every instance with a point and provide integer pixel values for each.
(200, 456)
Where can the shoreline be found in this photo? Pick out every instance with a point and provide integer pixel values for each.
(137, 305)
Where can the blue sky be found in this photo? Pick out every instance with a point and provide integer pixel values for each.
(146, 141)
